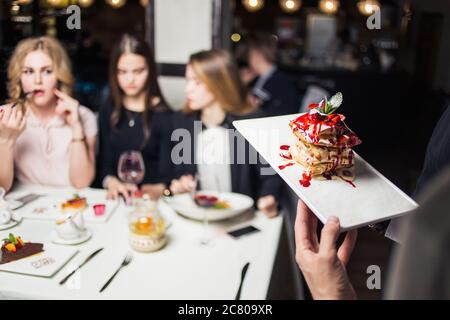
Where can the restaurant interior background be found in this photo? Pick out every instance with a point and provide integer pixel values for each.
(395, 80)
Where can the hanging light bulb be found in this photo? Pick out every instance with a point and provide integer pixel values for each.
(329, 6)
(253, 5)
(24, 2)
(290, 6)
(368, 7)
(144, 3)
(116, 3)
(85, 3)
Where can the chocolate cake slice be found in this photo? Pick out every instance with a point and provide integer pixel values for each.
(27, 250)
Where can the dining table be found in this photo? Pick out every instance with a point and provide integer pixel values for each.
(183, 269)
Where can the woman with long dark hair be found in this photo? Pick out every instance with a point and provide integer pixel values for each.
(136, 117)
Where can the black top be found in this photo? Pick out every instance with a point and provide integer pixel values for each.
(245, 177)
(438, 152)
(282, 97)
(114, 141)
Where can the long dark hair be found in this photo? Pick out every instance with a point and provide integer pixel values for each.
(136, 45)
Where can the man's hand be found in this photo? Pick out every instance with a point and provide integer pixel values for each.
(323, 266)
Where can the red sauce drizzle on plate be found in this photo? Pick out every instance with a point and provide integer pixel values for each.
(306, 180)
(283, 166)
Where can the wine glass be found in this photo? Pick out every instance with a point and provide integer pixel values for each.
(131, 168)
(213, 191)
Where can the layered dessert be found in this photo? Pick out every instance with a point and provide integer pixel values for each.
(323, 144)
(75, 204)
(14, 248)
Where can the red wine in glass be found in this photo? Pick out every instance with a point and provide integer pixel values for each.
(131, 167)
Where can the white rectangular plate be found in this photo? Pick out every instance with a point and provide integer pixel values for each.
(44, 264)
(374, 199)
(47, 208)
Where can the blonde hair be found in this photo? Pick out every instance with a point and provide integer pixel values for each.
(217, 70)
(54, 50)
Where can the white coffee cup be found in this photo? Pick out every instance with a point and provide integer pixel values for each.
(71, 227)
(5, 212)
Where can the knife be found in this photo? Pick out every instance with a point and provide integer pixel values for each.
(93, 254)
(243, 273)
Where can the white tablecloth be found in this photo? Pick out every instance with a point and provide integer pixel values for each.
(183, 269)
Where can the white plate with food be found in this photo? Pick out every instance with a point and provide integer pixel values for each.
(33, 258)
(214, 205)
(95, 209)
(313, 154)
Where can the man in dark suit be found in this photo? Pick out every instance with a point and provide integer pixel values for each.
(438, 152)
(272, 91)
(437, 158)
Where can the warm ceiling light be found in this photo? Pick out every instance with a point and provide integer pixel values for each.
(24, 2)
(290, 6)
(235, 37)
(15, 8)
(85, 3)
(116, 3)
(144, 3)
(253, 5)
(368, 7)
(58, 3)
(329, 6)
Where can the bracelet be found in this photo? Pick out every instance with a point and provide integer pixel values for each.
(79, 139)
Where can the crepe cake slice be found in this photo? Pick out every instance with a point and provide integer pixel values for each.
(323, 130)
(324, 142)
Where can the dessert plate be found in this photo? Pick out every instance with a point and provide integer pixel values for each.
(373, 197)
(44, 264)
(47, 208)
(184, 205)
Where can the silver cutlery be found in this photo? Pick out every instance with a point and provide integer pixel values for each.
(22, 98)
(126, 261)
(93, 254)
(243, 273)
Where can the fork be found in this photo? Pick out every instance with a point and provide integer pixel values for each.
(126, 261)
(22, 98)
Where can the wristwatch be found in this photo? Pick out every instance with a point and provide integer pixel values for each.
(167, 192)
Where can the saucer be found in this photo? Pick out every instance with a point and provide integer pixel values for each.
(11, 223)
(55, 238)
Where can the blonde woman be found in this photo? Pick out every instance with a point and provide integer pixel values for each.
(46, 137)
(215, 98)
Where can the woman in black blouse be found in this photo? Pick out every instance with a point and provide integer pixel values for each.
(136, 118)
(207, 146)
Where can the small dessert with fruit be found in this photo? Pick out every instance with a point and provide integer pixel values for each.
(76, 204)
(14, 248)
